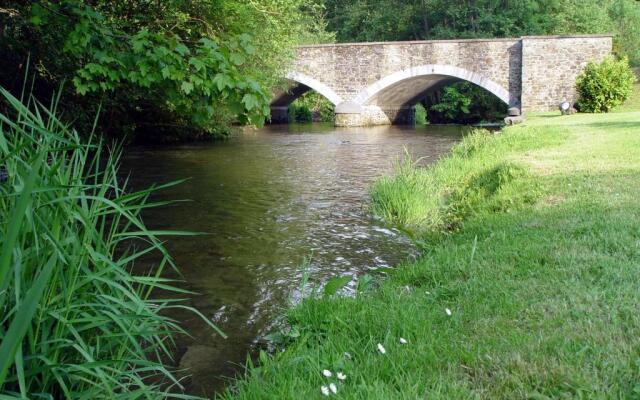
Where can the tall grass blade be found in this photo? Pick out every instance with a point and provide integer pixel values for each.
(13, 338)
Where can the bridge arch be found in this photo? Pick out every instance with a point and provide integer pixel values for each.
(408, 86)
(302, 84)
(307, 83)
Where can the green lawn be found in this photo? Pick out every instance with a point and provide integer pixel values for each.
(544, 290)
(633, 103)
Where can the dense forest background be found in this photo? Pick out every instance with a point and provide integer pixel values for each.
(165, 69)
(382, 20)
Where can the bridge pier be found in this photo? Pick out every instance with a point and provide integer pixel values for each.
(352, 114)
(279, 114)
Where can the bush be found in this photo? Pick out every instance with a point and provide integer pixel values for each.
(421, 115)
(300, 113)
(464, 103)
(606, 85)
(311, 107)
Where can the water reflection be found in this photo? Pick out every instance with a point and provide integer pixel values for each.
(267, 199)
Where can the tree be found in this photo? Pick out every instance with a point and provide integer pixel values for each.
(202, 62)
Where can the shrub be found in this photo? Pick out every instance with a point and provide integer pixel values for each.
(311, 107)
(421, 115)
(606, 85)
(300, 113)
(464, 103)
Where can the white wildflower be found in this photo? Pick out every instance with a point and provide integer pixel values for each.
(381, 348)
(333, 388)
(324, 390)
(327, 373)
(447, 311)
(403, 341)
(341, 376)
(347, 355)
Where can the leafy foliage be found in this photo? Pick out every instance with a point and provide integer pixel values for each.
(452, 103)
(378, 20)
(606, 85)
(463, 102)
(205, 63)
(421, 115)
(311, 107)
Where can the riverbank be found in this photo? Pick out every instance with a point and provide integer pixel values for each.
(543, 297)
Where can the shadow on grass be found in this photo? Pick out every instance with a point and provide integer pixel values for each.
(614, 125)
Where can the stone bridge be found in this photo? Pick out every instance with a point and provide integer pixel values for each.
(380, 83)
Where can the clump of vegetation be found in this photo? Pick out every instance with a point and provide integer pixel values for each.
(76, 321)
(421, 115)
(311, 107)
(154, 66)
(474, 178)
(605, 85)
(464, 103)
(384, 20)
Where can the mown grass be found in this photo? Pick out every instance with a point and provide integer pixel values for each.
(540, 273)
(633, 103)
(75, 321)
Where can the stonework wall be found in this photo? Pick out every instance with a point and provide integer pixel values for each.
(551, 65)
(349, 68)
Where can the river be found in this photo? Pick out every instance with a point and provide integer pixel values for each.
(267, 199)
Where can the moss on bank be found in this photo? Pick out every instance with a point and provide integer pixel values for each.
(540, 275)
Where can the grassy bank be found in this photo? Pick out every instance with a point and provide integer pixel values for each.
(539, 270)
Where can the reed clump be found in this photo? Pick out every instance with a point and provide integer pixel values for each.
(75, 320)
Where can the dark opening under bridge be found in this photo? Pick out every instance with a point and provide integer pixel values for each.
(380, 83)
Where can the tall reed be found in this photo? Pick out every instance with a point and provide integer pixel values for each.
(75, 320)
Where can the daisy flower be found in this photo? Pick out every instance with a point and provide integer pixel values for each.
(333, 388)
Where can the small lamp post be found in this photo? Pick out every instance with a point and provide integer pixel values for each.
(565, 108)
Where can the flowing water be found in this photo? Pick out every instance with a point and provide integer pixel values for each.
(268, 199)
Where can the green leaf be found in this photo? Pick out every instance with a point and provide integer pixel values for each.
(250, 101)
(36, 20)
(364, 283)
(17, 219)
(182, 49)
(38, 15)
(334, 284)
(22, 320)
(222, 81)
(237, 58)
(187, 87)
(197, 63)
